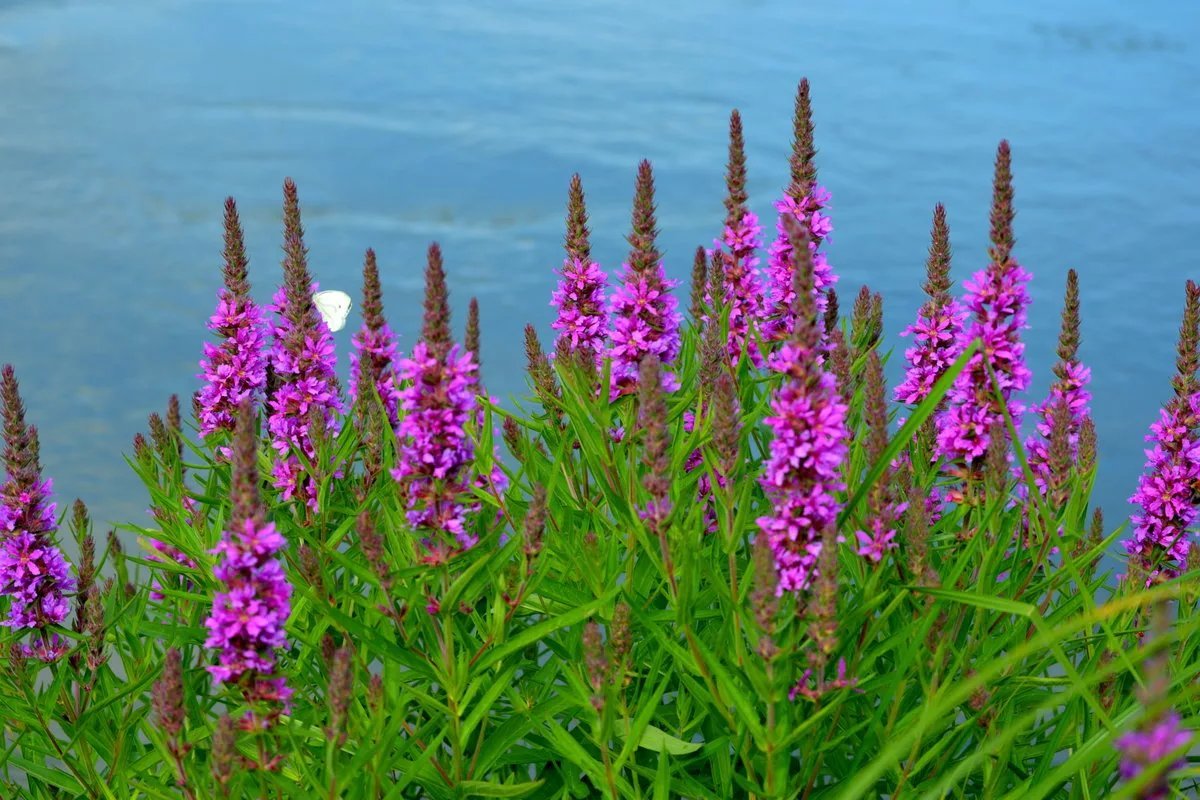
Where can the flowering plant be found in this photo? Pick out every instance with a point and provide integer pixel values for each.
(710, 560)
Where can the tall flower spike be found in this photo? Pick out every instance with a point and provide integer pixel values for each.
(439, 400)
(471, 338)
(1069, 390)
(246, 624)
(373, 359)
(997, 299)
(582, 321)
(697, 309)
(303, 360)
(938, 328)
(235, 368)
(808, 423)
(643, 310)
(656, 445)
(435, 328)
(804, 201)
(1167, 492)
(883, 510)
(740, 241)
(33, 573)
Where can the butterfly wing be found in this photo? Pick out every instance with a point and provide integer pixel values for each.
(334, 307)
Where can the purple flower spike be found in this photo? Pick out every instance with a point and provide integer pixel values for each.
(996, 299)
(742, 238)
(808, 420)
(33, 573)
(236, 368)
(643, 310)
(1145, 748)
(246, 625)
(645, 321)
(435, 457)
(938, 329)
(806, 209)
(1069, 389)
(582, 322)
(1167, 492)
(374, 356)
(302, 356)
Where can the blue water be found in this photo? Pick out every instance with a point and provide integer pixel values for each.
(125, 123)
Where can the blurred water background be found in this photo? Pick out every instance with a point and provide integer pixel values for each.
(125, 123)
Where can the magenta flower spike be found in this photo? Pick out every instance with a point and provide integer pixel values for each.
(236, 368)
(809, 442)
(1167, 492)
(805, 202)
(373, 359)
(1069, 388)
(34, 575)
(996, 301)
(246, 624)
(937, 332)
(303, 358)
(438, 398)
(737, 247)
(582, 321)
(643, 310)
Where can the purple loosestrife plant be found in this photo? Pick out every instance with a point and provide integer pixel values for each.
(1069, 388)
(643, 310)
(996, 300)
(34, 575)
(438, 399)
(884, 511)
(582, 322)
(237, 367)
(1168, 491)
(937, 331)
(805, 202)
(303, 359)
(737, 246)
(808, 446)
(373, 360)
(246, 625)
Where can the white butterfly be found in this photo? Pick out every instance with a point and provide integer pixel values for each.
(334, 307)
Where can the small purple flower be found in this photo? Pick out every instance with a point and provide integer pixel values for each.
(877, 542)
(582, 320)
(808, 210)
(1145, 748)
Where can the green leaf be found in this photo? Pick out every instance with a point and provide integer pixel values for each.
(990, 602)
(483, 789)
(659, 741)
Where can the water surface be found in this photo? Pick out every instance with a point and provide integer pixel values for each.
(125, 123)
